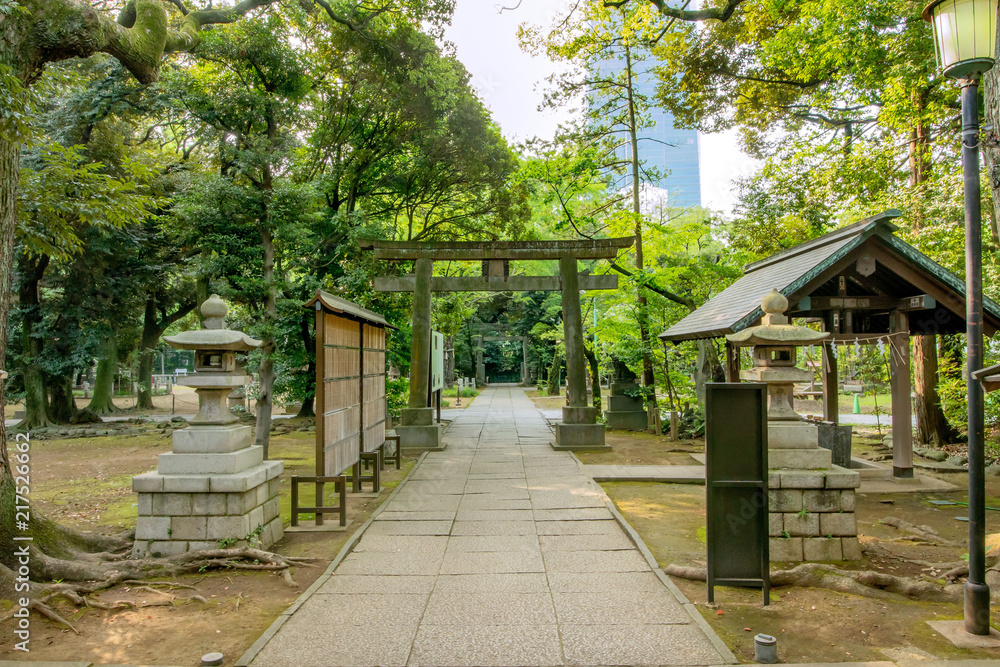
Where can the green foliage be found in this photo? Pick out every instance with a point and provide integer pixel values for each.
(66, 193)
(397, 393)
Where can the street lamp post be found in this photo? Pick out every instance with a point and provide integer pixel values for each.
(965, 40)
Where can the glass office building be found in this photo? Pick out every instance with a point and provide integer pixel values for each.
(671, 151)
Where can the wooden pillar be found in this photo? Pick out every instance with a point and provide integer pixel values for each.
(732, 363)
(831, 406)
(319, 405)
(899, 370)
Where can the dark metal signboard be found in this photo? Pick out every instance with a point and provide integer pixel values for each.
(736, 486)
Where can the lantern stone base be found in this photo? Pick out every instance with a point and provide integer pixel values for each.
(208, 495)
(812, 514)
(624, 411)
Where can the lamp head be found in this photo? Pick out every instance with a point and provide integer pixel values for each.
(965, 35)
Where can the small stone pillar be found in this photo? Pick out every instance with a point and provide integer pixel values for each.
(215, 488)
(417, 428)
(811, 500)
(625, 406)
(480, 366)
(579, 429)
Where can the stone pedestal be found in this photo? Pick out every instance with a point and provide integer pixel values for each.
(417, 429)
(624, 411)
(579, 431)
(811, 501)
(213, 490)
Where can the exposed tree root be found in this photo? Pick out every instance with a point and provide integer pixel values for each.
(89, 573)
(48, 613)
(857, 582)
(917, 533)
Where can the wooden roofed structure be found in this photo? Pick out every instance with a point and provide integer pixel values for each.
(863, 283)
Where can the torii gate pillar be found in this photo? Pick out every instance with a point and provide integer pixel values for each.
(480, 366)
(579, 428)
(417, 428)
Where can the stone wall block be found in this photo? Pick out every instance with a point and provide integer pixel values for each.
(200, 546)
(841, 478)
(228, 527)
(145, 504)
(774, 524)
(821, 500)
(785, 500)
(851, 548)
(822, 548)
(188, 527)
(838, 524)
(148, 482)
(785, 548)
(152, 528)
(172, 504)
(185, 483)
(272, 509)
(208, 503)
(802, 525)
(806, 479)
(256, 518)
(847, 500)
(168, 548)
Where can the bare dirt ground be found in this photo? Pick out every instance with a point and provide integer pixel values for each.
(811, 624)
(86, 483)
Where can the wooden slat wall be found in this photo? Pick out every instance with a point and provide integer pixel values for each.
(346, 344)
(374, 391)
(341, 394)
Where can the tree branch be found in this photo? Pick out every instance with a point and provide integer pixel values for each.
(721, 14)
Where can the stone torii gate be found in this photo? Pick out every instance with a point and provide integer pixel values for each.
(504, 338)
(579, 428)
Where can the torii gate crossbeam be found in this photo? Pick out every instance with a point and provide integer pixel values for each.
(579, 428)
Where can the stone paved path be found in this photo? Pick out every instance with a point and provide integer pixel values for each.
(497, 551)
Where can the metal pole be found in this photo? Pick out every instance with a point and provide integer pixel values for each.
(977, 593)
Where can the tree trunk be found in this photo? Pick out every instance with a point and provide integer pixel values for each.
(704, 369)
(104, 384)
(552, 386)
(150, 334)
(10, 164)
(36, 404)
(932, 426)
(309, 340)
(144, 401)
(595, 376)
(648, 379)
(449, 362)
(62, 403)
(991, 147)
(265, 373)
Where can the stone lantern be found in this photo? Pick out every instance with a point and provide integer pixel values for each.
(775, 344)
(811, 501)
(214, 488)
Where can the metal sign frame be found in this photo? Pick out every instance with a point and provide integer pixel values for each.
(736, 486)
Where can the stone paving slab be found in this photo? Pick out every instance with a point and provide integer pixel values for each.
(487, 646)
(496, 551)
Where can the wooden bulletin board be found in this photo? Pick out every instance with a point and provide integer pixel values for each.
(350, 383)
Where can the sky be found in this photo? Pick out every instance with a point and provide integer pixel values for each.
(511, 83)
